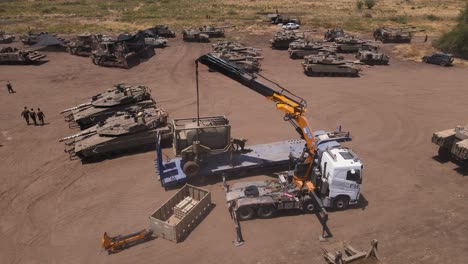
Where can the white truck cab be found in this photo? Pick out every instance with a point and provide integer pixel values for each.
(341, 177)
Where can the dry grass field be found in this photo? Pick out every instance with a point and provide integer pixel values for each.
(67, 16)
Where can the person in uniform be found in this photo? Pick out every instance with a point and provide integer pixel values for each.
(33, 115)
(10, 88)
(25, 115)
(41, 116)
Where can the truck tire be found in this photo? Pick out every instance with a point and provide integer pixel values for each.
(309, 207)
(245, 213)
(341, 202)
(444, 154)
(266, 211)
(191, 168)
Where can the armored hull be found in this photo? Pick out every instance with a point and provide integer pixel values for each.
(372, 57)
(212, 32)
(194, 35)
(453, 143)
(6, 38)
(121, 132)
(344, 70)
(104, 105)
(10, 55)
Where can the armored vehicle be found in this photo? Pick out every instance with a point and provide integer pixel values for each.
(121, 132)
(32, 38)
(300, 49)
(277, 18)
(246, 62)
(82, 45)
(393, 35)
(221, 46)
(104, 105)
(348, 44)
(328, 65)
(157, 42)
(442, 59)
(194, 35)
(164, 31)
(121, 54)
(334, 33)
(194, 139)
(453, 143)
(6, 38)
(212, 31)
(282, 39)
(370, 55)
(9, 55)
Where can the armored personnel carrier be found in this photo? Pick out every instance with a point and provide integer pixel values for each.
(164, 31)
(104, 105)
(300, 49)
(194, 35)
(348, 44)
(212, 31)
(9, 55)
(82, 45)
(121, 132)
(328, 65)
(334, 33)
(370, 55)
(453, 143)
(282, 39)
(394, 35)
(6, 38)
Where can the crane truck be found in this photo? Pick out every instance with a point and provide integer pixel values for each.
(325, 175)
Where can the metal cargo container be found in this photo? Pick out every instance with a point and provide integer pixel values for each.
(176, 227)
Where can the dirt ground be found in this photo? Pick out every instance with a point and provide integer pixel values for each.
(54, 210)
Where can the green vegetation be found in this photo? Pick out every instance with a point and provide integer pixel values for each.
(72, 16)
(369, 3)
(456, 40)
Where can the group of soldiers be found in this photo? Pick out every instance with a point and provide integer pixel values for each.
(26, 114)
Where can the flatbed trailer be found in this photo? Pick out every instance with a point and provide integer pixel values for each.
(270, 156)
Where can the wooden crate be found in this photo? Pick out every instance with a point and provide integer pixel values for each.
(164, 222)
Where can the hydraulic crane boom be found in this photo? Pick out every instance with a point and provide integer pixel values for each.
(293, 107)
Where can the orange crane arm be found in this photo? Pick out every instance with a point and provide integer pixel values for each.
(292, 105)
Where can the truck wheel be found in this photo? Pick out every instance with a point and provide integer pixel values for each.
(245, 213)
(443, 63)
(341, 203)
(191, 169)
(444, 154)
(266, 211)
(309, 207)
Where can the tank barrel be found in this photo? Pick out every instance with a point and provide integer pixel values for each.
(76, 107)
(77, 135)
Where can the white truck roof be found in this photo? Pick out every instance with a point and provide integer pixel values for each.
(343, 157)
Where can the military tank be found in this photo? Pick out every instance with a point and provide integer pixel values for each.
(9, 55)
(164, 31)
(282, 39)
(370, 55)
(334, 33)
(194, 35)
(348, 44)
(32, 38)
(104, 105)
(122, 132)
(453, 143)
(6, 38)
(82, 45)
(329, 65)
(246, 62)
(221, 46)
(394, 35)
(212, 31)
(300, 49)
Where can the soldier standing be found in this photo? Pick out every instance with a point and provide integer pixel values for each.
(25, 115)
(32, 114)
(41, 116)
(10, 88)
